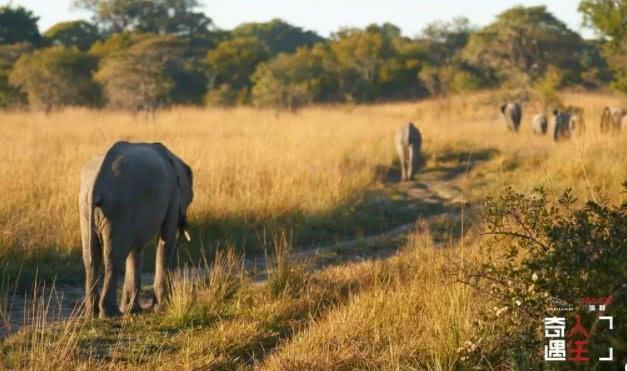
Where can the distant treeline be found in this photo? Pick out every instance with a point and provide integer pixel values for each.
(145, 54)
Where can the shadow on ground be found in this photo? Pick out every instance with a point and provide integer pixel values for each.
(367, 213)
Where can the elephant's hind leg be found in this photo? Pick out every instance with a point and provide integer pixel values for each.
(92, 262)
(410, 162)
(166, 249)
(132, 282)
(115, 248)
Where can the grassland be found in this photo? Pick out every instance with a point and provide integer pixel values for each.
(322, 174)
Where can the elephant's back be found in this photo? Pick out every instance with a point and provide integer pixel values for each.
(514, 112)
(132, 172)
(540, 123)
(408, 134)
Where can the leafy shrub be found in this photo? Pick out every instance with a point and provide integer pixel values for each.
(554, 253)
(545, 89)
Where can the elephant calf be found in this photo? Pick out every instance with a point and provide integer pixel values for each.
(540, 124)
(513, 114)
(128, 196)
(408, 142)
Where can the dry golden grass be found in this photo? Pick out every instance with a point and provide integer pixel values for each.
(258, 165)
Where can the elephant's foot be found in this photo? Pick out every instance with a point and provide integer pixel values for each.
(91, 311)
(107, 312)
(131, 308)
(158, 307)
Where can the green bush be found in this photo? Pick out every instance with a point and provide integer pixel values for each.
(542, 252)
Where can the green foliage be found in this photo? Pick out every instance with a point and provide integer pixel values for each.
(278, 36)
(55, 77)
(546, 254)
(545, 89)
(357, 57)
(595, 70)
(80, 34)
(177, 17)
(9, 54)
(116, 43)
(522, 43)
(233, 62)
(144, 75)
(17, 25)
(291, 80)
(446, 39)
(608, 17)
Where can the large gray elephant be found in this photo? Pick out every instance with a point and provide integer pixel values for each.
(128, 196)
(611, 119)
(540, 124)
(562, 127)
(513, 114)
(408, 142)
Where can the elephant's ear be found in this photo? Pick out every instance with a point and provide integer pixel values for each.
(184, 181)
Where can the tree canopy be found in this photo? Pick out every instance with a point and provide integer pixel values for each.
(176, 17)
(80, 34)
(144, 75)
(609, 19)
(55, 77)
(278, 36)
(151, 53)
(18, 24)
(522, 43)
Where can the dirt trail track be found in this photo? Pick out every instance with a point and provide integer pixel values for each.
(62, 301)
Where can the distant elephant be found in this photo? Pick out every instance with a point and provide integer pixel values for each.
(408, 142)
(611, 119)
(513, 114)
(561, 129)
(129, 195)
(540, 124)
(576, 124)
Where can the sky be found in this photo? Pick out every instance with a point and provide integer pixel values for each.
(327, 16)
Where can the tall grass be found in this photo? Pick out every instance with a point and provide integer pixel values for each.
(278, 172)
(254, 166)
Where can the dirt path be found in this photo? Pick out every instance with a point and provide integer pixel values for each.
(439, 197)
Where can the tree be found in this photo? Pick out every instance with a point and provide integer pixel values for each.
(232, 63)
(278, 36)
(55, 77)
(357, 56)
(117, 43)
(81, 34)
(609, 19)
(144, 75)
(9, 54)
(17, 25)
(446, 39)
(292, 80)
(178, 17)
(522, 43)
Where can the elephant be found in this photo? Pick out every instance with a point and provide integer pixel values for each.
(562, 127)
(513, 114)
(132, 193)
(408, 141)
(611, 119)
(576, 124)
(540, 124)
